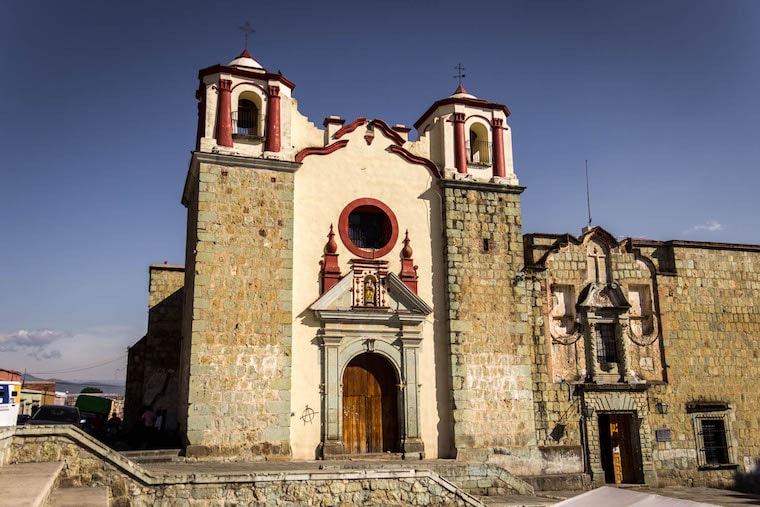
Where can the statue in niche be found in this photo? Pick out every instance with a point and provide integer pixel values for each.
(562, 322)
(370, 290)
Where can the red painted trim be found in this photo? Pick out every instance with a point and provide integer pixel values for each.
(388, 131)
(484, 104)
(343, 228)
(415, 159)
(224, 113)
(256, 85)
(481, 117)
(326, 150)
(273, 120)
(497, 132)
(350, 127)
(460, 148)
(401, 129)
(216, 69)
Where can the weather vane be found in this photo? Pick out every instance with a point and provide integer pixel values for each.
(247, 29)
(460, 73)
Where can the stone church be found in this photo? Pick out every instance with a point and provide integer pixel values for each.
(348, 291)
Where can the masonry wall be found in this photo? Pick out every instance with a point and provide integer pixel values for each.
(556, 411)
(709, 296)
(491, 349)
(153, 364)
(238, 359)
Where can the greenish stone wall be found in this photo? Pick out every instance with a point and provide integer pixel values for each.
(491, 350)
(240, 339)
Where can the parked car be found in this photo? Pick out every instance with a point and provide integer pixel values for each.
(56, 414)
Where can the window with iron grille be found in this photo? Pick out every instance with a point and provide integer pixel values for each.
(713, 439)
(369, 227)
(606, 348)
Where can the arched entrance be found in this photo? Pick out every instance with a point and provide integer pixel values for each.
(370, 405)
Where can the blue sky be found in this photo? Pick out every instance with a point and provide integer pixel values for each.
(98, 121)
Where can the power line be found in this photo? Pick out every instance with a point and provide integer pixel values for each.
(81, 368)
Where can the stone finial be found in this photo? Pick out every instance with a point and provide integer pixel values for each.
(330, 272)
(406, 253)
(408, 269)
(331, 247)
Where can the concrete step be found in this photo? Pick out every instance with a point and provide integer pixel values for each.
(152, 455)
(517, 501)
(80, 497)
(28, 484)
(558, 482)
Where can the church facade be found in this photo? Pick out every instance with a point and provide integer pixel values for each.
(349, 292)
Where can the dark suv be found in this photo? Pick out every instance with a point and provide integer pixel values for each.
(56, 414)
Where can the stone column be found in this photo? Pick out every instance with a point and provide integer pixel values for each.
(624, 359)
(412, 445)
(273, 120)
(224, 114)
(460, 147)
(499, 166)
(332, 420)
(592, 365)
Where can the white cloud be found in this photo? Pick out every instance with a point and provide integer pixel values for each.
(709, 226)
(34, 341)
(94, 353)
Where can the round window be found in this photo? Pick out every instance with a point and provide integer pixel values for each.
(368, 228)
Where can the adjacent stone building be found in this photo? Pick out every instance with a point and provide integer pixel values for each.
(348, 291)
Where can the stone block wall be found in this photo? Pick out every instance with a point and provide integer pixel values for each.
(709, 296)
(240, 335)
(556, 408)
(153, 365)
(491, 349)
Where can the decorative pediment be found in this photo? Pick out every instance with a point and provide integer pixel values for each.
(394, 302)
(601, 235)
(608, 296)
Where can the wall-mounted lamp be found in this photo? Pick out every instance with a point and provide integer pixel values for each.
(588, 411)
(662, 407)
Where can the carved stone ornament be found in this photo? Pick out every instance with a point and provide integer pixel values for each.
(568, 339)
(643, 330)
(562, 320)
(609, 295)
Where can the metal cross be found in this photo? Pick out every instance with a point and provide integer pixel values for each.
(247, 29)
(460, 73)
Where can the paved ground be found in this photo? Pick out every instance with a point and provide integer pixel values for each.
(706, 495)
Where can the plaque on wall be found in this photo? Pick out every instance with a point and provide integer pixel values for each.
(663, 435)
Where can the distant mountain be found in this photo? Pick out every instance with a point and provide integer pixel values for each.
(108, 387)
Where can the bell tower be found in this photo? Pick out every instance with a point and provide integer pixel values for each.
(470, 142)
(469, 138)
(241, 110)
(235, 358)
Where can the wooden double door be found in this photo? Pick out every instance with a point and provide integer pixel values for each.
(370, 406)
(620, 448)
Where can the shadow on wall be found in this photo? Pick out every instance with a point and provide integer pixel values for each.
(748, 481)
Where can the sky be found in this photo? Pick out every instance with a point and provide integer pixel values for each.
(98, 121)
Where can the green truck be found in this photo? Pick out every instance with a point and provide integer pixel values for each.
(95, 411)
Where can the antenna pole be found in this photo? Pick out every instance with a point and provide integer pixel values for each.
(588, 196)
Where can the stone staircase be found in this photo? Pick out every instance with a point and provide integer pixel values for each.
(36, 484)
(62, 466)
